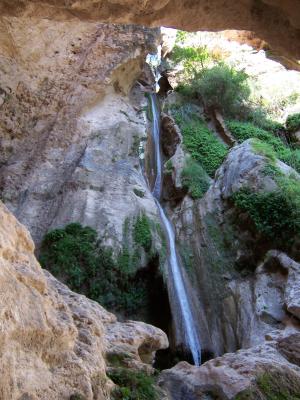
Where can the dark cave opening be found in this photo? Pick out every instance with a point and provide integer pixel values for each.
(158, 309)
(159, 314)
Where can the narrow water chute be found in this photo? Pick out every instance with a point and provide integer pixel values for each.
(192, 340)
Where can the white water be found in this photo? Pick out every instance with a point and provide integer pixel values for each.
(156, 138)
(180, 290)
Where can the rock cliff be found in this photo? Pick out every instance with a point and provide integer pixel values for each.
(275, 21)
(56, 343)
(71, 124)
(73, 134)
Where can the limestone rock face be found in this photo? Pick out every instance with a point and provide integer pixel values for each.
(71, 123)
(276, 21)
(234, 309)
(235, 374)
(54, 342)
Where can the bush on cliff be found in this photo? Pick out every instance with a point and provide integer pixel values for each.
(194, 179)
(203, 146)
(74, 255)
(276, 214)
(224, 88)
(293, 123)
(273, 144)
(132, 385)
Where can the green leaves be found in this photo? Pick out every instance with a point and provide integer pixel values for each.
(195, 179)
(133, 385)
(223, 87)
(274, 214)
(203, 146)
(74, 256)
(293, 123)
(269, 145)
(142, 232)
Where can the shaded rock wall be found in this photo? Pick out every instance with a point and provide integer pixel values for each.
(276, 21)
(71, 123)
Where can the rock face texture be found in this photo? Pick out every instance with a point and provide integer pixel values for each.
(254, 307)
(54, 343)
(238, 296)
(276, 21)
(243, 375)
(71, 123)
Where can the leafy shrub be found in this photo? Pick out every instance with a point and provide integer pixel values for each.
(223, 87)
(77, 396)
(259, 117)
(194, 179)
(276, 215)
(74, 256)
(168, 167)
(293, 123)
(133, 385)
(203, 146)
(198, 140)
(245, 130)
(142, 232)
(181, 36)
(190, 56)
(270, 145)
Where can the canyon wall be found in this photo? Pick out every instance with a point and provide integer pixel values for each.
(56, 343)
(71, 124)
(275, 21)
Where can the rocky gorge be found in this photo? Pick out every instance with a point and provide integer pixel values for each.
(78, 158)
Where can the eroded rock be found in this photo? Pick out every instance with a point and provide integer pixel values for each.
(275, 21)
(53, 341)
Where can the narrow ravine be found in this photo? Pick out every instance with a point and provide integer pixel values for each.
(190, 332)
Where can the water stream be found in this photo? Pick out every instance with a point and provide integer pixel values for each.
(192, 340)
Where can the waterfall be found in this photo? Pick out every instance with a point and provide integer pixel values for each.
(156, 138)
(180, 290)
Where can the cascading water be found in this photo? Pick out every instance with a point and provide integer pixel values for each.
(156, 138)
(185, 309)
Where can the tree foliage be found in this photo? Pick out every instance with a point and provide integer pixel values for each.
(74, 255)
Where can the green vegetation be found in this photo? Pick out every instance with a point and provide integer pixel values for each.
(181, 36)
(117, 360)
(269, 145)
(134, 151)
(74, 255)
(224, 88)
(142, 232)
(274, 389)
(293, 123)
(188, 259)
(77, 396)
(273, 386)
(191, 57)
(270, 212)
(203, 146)
(198, 140)
(194, 179)
(139, 192)
(168, 167)
(220, 87)
(132, 385)
(276, 214)
(245, 130)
